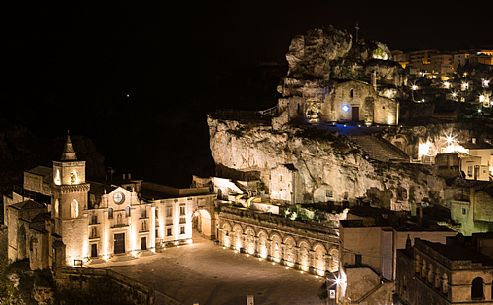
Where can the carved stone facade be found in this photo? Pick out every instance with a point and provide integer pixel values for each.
(433, 273)
(85, 221)
(297, 245)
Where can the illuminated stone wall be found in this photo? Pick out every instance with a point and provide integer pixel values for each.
(326, 164)
(299, 246)
(371, 108)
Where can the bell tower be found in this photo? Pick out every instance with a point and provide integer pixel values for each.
(69, 212)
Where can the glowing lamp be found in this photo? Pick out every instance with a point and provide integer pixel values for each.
(345, 108)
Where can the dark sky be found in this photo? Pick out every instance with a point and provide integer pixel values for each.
(128, 70)
(72, 49)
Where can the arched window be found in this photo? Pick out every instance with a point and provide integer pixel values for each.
(56, 207)
(351, 93)
(477, 289)
(110, 213)
(74, 209)
(119, 219)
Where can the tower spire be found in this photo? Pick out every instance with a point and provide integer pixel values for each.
(68, 152)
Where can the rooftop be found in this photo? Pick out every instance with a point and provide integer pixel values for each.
(456, 252)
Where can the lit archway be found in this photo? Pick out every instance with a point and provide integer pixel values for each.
(202, 222)
(276, 248)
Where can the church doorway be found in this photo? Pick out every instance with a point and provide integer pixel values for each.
(94, 250)
(202, 222)
(119, 243)
(355, 114)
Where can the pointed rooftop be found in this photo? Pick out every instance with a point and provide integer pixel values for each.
(68, 152)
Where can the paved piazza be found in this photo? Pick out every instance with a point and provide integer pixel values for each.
(207, 274)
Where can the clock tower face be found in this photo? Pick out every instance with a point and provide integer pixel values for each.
(118, 197)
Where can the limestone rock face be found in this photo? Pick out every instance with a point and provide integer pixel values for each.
(324, 163)
(309, 54)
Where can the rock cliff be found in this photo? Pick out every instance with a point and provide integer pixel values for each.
(324, 162)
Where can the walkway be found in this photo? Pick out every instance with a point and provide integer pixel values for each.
(207, 274)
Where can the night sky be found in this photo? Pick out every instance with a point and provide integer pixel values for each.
(138, 79)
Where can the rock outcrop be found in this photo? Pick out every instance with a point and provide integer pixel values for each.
(325, 162)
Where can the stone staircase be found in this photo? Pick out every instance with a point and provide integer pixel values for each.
(379, 149)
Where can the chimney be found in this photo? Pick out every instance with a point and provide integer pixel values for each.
(124, 176)
(473, 140)
(129, 176)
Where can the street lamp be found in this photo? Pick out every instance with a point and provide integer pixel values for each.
(414, 87)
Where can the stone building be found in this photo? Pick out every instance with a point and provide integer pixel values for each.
(470, 205)
(359, 101)
(370, 239)
(86, 220)
(458, 272)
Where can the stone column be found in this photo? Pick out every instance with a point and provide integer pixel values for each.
(312, 262)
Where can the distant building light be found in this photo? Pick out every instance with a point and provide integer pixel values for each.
(345, 108)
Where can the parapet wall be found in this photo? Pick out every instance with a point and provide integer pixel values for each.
(104, 286)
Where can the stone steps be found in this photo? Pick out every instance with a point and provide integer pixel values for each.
(379, 149)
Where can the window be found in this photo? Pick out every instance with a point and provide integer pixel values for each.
(127, 211)
(94, 232)
(182, 210)
(143, 213)
(157, 213)
(169, 232)
(169, 211)
(144, 226)
(74, 209)
(469, 170)
(157, 233)
(329, 193)
(110, 213)
(119, 219)
(477, 289)
(280, 178)
(464, 211)
(357, 259)
(182, 230)
(94, 219)
(351, 93)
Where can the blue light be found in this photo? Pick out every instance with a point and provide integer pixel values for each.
(345, 108)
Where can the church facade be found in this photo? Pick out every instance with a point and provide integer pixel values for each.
(75, 221)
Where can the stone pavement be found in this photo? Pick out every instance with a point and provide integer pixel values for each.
(207, 274)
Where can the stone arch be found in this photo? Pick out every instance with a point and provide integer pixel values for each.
(445, 283)
(289, 250)
(319, 259)
(74, 209)
(237, 241)
(249, 240)
(304, 255)
(276, 247)
(56, 207)
(333, 264)
(202, 222)
(262, 244)
(226, 234)
(477, 292)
